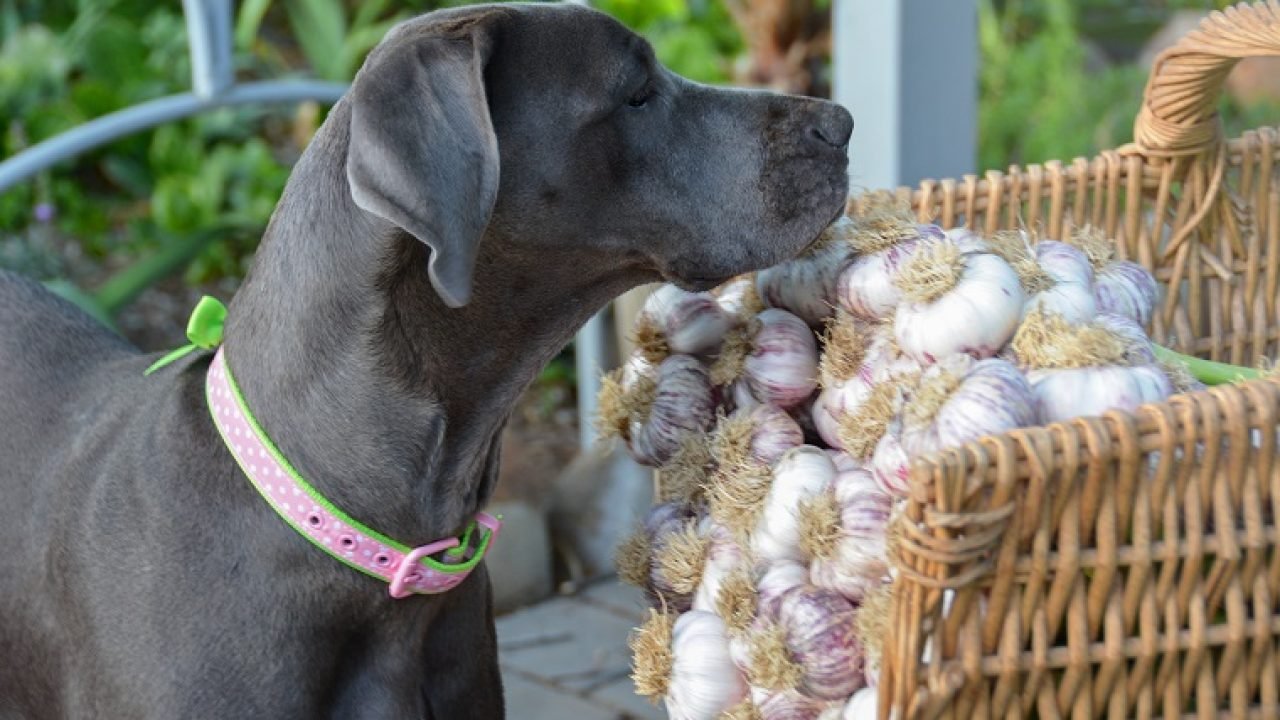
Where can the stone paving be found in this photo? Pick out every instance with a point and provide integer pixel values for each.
(566, 658)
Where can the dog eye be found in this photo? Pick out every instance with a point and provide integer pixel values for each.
(641, 98)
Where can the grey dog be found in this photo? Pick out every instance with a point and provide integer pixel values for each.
(495, 175)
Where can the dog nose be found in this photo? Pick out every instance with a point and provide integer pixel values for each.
(831, 124)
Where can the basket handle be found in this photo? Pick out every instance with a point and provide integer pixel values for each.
(1179, 106)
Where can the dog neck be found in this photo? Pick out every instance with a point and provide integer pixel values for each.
(390, 403)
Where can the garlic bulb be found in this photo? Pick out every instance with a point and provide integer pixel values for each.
(638, 557)
(625, 396)
(886, 242)
(845, 376)
(836, 402)
(1082, 371)
(1128, 289)
(845, 534)
(682, 402)
(956, 302)
(1138, 347)
(636, 370)
(761, 434)
(1064, 262)
(860, 430)
(844, 462)
(791, 705)
(956, 401)
(1119, 286)
(801, 473)
(688, 664)
(775, 433)
(777, 356)
(804, 286)
(677, 321)
(890, 463)
(885, 360)
(782, 367)
(723, 556)
(961, 399)
(778, 579)
(1069, 393)
(739, 298)
(816, 646)
(1070, 292)
(866, 288)
(864, 705)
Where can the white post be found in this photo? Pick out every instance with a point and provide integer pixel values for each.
(908, 71)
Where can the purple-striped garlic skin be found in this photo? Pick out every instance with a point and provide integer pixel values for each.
(819, 627)
(992, 397)
(661, 524)
(776, 432)
(885, 360)
(791, 705)
(782, 368)
(1126, 288)
(976, 317)
(865, 287)
(890, 463)
(857, 562)
(1064, 262)
(834, 403)
(1138, 347)
(777, 579)
(1063, 394)
(684, 403)
(692, 323)
(805, 286)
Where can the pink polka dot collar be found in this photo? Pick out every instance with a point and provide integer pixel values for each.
(407, 570)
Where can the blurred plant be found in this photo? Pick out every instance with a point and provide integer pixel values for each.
(696, 38)
(1039, 100)
(195, 195)
(1049, 89)
(789, 44)
(333, 43)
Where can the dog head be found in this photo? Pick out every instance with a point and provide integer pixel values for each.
(554, 124)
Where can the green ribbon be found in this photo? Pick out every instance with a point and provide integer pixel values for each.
(204, 330)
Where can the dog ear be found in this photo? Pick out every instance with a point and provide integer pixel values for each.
(422, 152)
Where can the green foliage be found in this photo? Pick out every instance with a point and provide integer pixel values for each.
(144, 193)
(696, 38)
(333, 43)
(1038, 100)
(195, 195)
(1046, 94)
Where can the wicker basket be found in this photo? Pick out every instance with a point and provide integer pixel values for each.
(1123, 566)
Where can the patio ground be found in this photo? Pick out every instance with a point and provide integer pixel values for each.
(566, 658)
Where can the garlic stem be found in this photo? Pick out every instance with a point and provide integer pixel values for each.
(1208, 371)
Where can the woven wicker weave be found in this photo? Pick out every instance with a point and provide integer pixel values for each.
(1124, 566)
